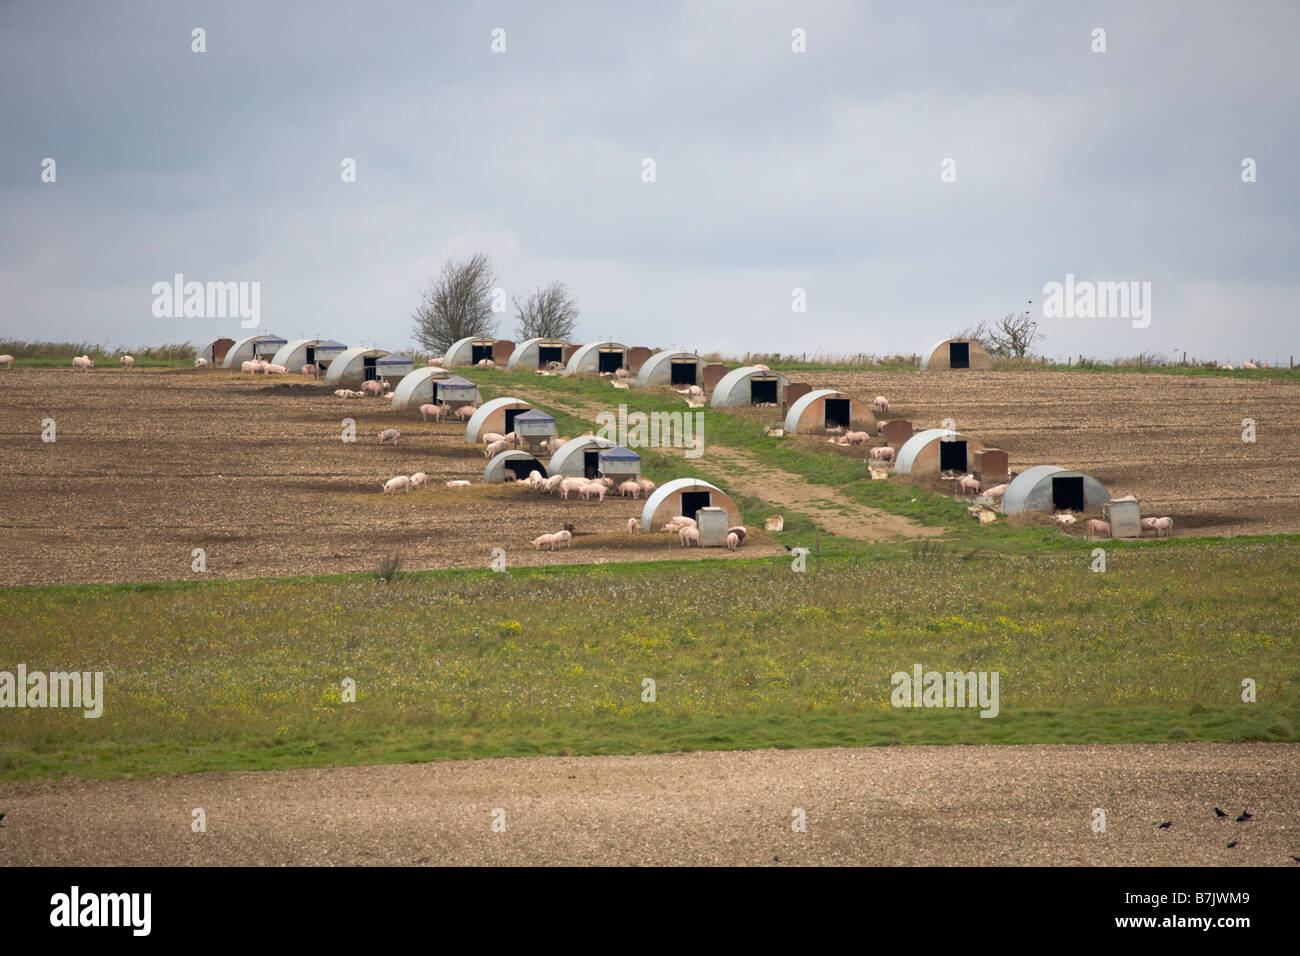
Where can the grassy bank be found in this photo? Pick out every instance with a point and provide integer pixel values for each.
(225, 675)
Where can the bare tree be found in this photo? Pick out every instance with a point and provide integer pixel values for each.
(1011, 336)
(457, 304)
(1014, 335)
(548, 313)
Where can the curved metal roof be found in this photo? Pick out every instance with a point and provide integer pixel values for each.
(530, 344)
(453, 355)
(912, 447)
(661, 494)
(475, 423)
(567, 459)
(722, 392)
(418, 386)
(228, 361)
(495, 470)
(285, 352)
(801, 404)
(1031, 490)
(339, 368)
(254, 340)
(578, 357)
(663, 361)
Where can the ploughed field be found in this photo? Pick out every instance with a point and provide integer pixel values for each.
(150, 464)
(1172, 440)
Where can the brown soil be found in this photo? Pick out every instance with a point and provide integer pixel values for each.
(1174, 441)
(151, 464)
(934, 806)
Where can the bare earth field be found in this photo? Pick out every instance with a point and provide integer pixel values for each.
(149, 465)
(927, 806)
(1173, 440)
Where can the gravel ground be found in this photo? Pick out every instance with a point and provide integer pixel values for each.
(884, 805)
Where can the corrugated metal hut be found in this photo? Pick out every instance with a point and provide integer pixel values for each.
(537, 353)
(956, 354)
(825, 408)
(497, 416)
(935, 451)
(353, 367)
(419, 388)
(512, 465)
(596, 357)
(749, 385)
(685, 496)
(672, 368)
(1052, 488)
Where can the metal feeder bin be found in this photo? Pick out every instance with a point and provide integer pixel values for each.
(533, 428)
(394, 367)
(620, 464)
(457, 391)
(713, 527)
(1125, 518)
(327, 351)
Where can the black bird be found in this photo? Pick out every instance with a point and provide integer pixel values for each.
(2, 819)
(1219, 813)
(1296, 859)
(776, 859)
(1166, 825)
(1232, 844)
(1244, 817)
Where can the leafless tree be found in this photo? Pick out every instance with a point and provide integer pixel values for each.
(1014, 335)
(548, 313)
(457, 304)
(1011, 336)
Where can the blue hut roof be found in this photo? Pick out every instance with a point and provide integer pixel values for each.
(618, 453)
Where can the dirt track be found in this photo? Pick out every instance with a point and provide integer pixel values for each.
(883, 805)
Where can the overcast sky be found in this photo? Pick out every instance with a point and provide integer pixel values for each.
(775, 170)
